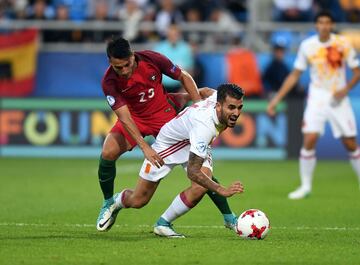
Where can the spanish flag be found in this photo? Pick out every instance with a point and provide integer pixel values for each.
(18, 54)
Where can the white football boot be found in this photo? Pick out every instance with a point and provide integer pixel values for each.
(167, 231)
(299, 193)
(108, 214)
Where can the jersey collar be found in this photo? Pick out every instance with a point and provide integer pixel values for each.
(219, 127)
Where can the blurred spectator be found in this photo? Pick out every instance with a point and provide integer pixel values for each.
(113, 6)
(168, 14)
(205, 7)
(238, 8)
(131, 14)
(243, 69)
(179, 52)
(193, 15)
(101, 13)
(40, 10)
(19, 7)
(276, 72)
(76, 8)
(351, 9)
(76, 35)
(333, 6)
(198, 72)
(225, 24)
(293, 10)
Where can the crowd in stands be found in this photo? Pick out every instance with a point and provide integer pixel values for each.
(226, 13)
(181, 47)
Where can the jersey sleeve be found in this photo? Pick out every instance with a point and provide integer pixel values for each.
(301, 61)
(166, 66)
(200, 138)
(114, 98)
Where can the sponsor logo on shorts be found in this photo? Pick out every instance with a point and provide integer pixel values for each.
(110, 100)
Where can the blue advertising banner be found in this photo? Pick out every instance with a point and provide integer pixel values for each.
(76, 128)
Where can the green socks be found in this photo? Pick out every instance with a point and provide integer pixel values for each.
(220, 201)
(107, 172)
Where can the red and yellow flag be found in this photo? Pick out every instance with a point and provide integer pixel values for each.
(18, 54)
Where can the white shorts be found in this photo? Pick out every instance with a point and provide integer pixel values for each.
(154, 174)
(339, 114)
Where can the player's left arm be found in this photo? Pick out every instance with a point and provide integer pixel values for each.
(190, 86)
(181, 99)
(353, 62)
(350, 84)
(195, 174)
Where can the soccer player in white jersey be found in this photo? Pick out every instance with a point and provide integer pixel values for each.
(326, 53)
(186, 141)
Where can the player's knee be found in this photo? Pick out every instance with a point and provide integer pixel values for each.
(110, 154)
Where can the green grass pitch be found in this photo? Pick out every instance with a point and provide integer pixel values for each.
(49, 208)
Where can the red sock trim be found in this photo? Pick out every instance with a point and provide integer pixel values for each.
(185, 200)
(356, 156)
(307, 157)
(123, 197)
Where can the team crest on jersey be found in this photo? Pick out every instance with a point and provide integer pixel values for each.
(110, 100)
(201, 147)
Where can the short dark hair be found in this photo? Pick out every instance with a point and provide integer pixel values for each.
(324, 13)
(229, 89)
(118, 47)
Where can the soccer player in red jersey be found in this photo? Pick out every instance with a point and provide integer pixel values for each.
(132, 86)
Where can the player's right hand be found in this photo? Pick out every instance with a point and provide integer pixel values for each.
(236, 187)
(271, 109)
(154, 158)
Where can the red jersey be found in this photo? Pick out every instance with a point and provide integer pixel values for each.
(143, 92)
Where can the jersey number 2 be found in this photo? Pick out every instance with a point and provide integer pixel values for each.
(150, 94)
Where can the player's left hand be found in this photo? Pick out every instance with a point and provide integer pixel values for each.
(235, 187)
(154, 158)
(340, 94)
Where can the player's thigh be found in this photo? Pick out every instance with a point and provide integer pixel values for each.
(342, 120)
(115, 144)
(143, 192)
(152, 173)
(314, 119)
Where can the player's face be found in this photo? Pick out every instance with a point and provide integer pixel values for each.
(123, 67)
(229, 111)
(324, 26)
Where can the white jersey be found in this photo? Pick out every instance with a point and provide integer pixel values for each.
(192, 130)
(327, 63)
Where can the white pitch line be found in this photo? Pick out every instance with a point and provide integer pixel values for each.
(184, 226)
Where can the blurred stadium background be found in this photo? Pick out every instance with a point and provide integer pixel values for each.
(52, 58)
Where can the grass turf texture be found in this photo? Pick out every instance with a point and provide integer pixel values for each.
(49, 208)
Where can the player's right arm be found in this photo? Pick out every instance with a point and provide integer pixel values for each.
(118, 105)
(181, 99)
(127, 121)
(195, 174)
(287, 85)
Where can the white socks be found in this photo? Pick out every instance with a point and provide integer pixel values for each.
(355, 162)
(177, 208)
(307, 163)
